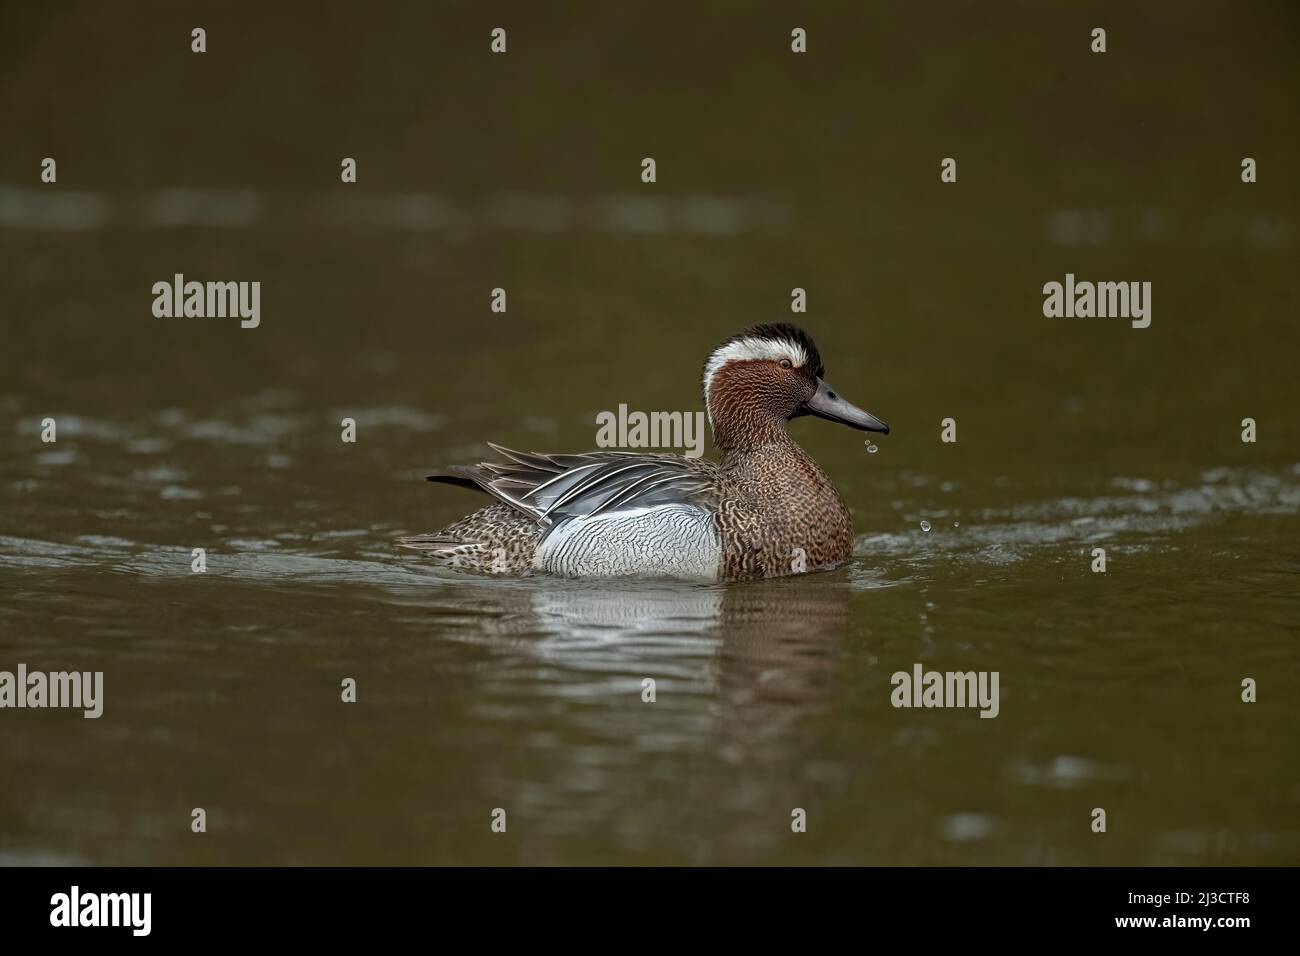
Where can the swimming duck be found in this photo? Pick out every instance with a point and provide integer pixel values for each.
(764, 509)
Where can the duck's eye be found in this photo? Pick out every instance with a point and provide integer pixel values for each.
(785, 363)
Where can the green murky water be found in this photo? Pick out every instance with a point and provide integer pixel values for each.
(1118, 690)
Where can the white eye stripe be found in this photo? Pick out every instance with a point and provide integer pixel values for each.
(749, 350)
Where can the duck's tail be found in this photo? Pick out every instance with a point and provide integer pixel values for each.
(493, 540)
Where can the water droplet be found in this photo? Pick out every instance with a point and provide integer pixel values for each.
(871, 449)
(925, 526)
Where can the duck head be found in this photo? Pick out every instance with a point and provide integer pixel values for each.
(761, 378)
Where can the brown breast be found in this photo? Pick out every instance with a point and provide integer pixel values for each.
(779, 514)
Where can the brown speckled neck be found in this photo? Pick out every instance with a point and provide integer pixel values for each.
(778, 511)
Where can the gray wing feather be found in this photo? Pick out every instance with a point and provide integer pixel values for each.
(558, 487)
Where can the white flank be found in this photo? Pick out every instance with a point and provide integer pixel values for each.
(660, 541)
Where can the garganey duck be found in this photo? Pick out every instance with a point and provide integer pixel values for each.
(764, 509)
